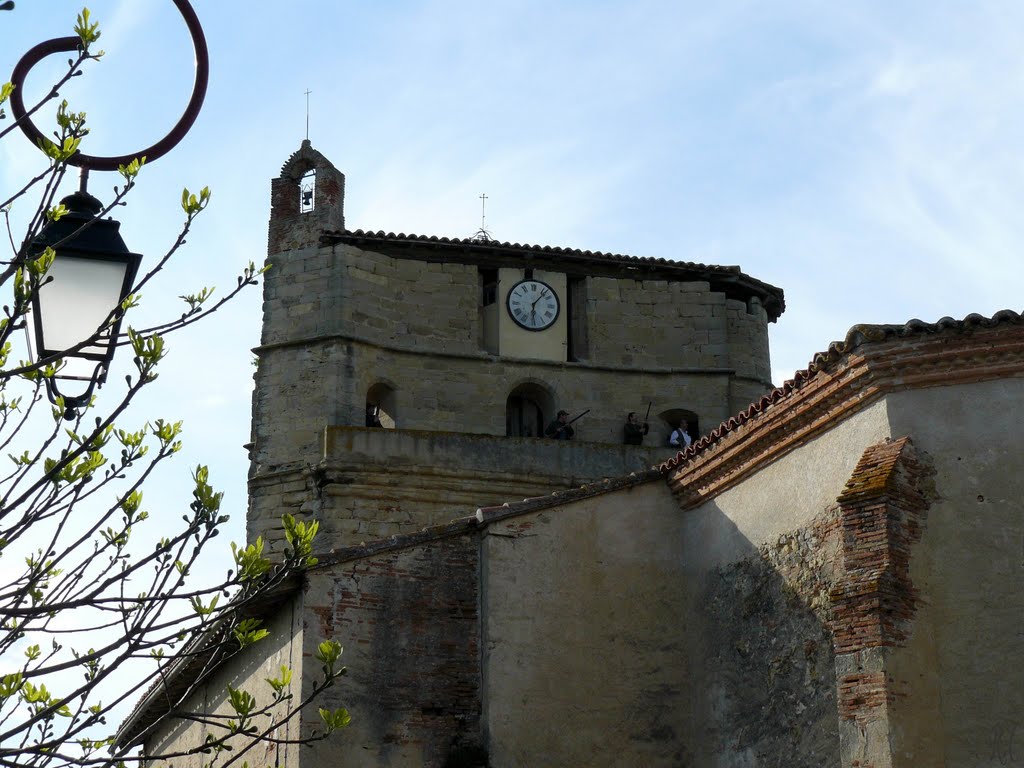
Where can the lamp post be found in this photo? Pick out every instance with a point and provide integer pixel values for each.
(77, 310)
(91, 275)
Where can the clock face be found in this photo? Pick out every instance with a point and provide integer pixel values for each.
(533, 305)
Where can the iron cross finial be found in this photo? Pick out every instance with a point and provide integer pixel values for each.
(307, 113)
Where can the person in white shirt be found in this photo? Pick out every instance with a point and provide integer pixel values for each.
(680, 438)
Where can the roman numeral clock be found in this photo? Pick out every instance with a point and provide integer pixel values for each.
(533, 305)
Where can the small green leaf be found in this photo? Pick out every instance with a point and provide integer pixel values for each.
(279, 684)
(328, 653)
(87, 32)
(130, 171)
(248, 632)
(241, 701)
(339, 718)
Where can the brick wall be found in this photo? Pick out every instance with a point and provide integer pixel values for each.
(409, 621)
(882, 512)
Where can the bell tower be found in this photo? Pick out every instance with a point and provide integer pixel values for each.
(406, 379)
(306, 199)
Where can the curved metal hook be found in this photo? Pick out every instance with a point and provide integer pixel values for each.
(162, 147)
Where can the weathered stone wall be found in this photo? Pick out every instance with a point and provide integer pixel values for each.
(760, 561)
(301, 389)
(350, 318)
(433, 307)
(646, 323)
(374, 483)
(652, 323)
(747, 326)
(409, 621)
(764, 625)
(247, 671)
(409, 304)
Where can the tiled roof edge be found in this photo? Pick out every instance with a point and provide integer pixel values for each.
(857, 336)
(193, 658)
(775, 306)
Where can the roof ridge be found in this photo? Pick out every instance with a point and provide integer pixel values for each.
(726, 278)
(556, 249)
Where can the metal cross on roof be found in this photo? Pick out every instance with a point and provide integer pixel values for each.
(482, 234)
(307, 113)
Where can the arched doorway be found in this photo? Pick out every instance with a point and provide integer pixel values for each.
(526, 409)
(671, 418)
(380, 406)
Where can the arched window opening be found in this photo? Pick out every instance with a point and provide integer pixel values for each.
(307, 192)
(525, 410)
(673, 418)
(380, 406)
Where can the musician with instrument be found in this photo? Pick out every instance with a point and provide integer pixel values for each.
(561, 427)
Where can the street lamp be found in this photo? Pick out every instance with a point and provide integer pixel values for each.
(77, 310)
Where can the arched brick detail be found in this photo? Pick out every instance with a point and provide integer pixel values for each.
(882, 511)
(289, 227)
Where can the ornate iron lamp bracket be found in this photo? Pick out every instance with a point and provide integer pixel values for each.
(162, 147)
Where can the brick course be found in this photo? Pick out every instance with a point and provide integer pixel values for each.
(881, 511)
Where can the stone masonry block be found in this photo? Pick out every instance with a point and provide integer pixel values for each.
(697, 286)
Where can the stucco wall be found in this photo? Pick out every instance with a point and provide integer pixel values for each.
(945, 694)
(786, 495)
(584, 633)
(247, 671)
(963, 692)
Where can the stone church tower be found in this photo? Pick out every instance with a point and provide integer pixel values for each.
(463, 350)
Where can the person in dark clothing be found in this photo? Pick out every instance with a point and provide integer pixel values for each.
(559, 429)
(633, 431)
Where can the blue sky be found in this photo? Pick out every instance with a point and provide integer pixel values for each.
(866, 157)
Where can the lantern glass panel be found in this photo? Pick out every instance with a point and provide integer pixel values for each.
(74, 304)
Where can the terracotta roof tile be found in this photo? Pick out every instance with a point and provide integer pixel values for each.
(857, 336)
(558, 250)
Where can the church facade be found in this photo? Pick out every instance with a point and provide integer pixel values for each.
(828, 576)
